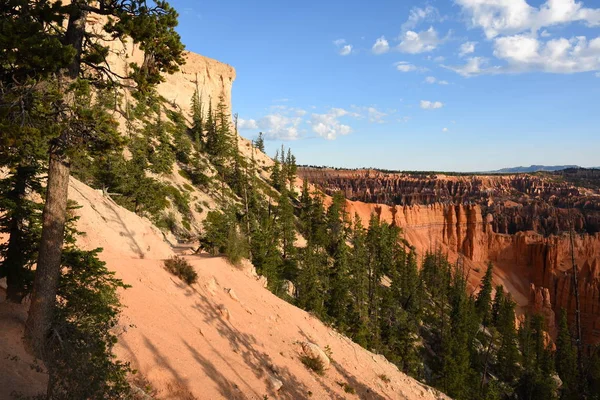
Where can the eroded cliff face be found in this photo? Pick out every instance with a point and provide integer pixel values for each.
(521, 223)
(211, 77)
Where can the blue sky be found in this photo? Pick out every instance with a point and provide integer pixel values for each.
(462, 85)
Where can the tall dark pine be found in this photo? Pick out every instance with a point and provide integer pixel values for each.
(152, 28)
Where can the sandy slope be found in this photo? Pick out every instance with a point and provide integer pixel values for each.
(224, 337)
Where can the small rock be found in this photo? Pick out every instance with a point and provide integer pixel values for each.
(275, 383)
(314, 351)
(263, 281)
(232, 295)
(289, 288)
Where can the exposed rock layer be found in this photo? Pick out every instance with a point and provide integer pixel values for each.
(519, 222)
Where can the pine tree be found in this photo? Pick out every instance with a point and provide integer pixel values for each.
(508, 353)
(536, 381)
(260, 142)
(311, 286)
(359, 284)
(76, 54)
(276, 173)
(197, 129)
(484, 297)
(566, 359)
(338, 298)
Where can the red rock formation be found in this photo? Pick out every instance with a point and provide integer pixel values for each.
(520, 223)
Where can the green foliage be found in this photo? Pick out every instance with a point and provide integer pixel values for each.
(484, 297)
(260, 142)
(80, 355)
(314, 364)
(179, 267)
(566, 359)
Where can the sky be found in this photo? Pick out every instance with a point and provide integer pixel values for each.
(446, 85)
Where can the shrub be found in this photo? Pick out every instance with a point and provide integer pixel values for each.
(179, 267)
(314, 364)
(347, 388)
(384, 378)
(79, 353)
(237, 246)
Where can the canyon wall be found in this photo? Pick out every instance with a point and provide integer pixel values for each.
(211, 77)
(521, 223)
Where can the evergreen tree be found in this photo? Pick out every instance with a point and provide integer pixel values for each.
(338, 298)
(566, 360)
(76, 54)
(311, 285)
(197, 129)
(484, 297)
(536, 381)
(260, 142)
(508, 352)
(359, 284)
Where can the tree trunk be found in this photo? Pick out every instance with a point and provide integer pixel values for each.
(14, 263)
(50, 252)
(54, 217)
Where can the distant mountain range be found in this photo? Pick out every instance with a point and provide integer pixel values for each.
(533, 168)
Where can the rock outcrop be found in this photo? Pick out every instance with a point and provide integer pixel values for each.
(519, 222)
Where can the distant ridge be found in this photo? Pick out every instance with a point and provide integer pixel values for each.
(533, 168)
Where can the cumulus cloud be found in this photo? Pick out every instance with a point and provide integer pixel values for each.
(561, 55)
(525, 53)
(419, 42)
(343, 48)
(247, 124)
(405, 66)
(445, 130)
(474, 66)
(431, 105)
(467, 48)
(432, 79)
(375, 115)
(417, 15)
(328, 125)
(278, 126)
(507, 17)
(381, 46)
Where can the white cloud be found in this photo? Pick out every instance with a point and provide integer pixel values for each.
(404, 66)
(247, 124)
(375, 115)
(431, 105)
(525, 53)
(467, 48)
(502, 17)
(563, 56)
(278, 126)
(474, 66)
(345, 50)
(328, 125)
(445, 130)
(419, 42)
(545, 34)
(597, 74)
(381, 46)
(417, 15)
(439, 59)
(432, 79)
